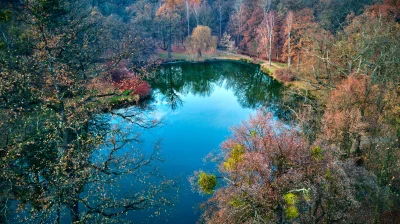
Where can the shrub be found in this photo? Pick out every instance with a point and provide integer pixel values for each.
(290, 198)
(236, 156)
(143, 89)
(285, 75)
(207, 182)
(135, 85)
(292, 212)
(317, 153)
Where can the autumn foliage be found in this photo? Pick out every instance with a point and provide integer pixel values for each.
(351, 110)
(271, 175)
(125, 80)
(285, 75)
(201, 40)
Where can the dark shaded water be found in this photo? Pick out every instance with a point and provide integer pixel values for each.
(198, 103)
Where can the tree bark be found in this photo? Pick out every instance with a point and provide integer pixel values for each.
(169, 37)
(74, 211)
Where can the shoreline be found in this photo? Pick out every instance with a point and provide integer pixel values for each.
(177, 57)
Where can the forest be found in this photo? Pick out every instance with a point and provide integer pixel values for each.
(78, 85)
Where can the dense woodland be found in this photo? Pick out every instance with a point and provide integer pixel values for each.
(62, 63)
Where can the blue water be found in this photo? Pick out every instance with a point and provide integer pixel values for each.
(197, 104)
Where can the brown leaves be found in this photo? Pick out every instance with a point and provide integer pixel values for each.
(263, 160)
(350, 110)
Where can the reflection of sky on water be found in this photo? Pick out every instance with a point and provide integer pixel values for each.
(189, 133)
(197, 104)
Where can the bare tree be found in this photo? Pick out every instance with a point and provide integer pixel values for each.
(288, 30)
(266, 7)
(187, 5)
(196, 5)
(266, 35)
(239, 14)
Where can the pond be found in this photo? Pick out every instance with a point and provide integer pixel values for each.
(198, 103)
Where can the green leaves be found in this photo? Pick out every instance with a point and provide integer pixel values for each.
(291, 210)
(207, 182)
(290, 198)
(5, 15)
(237, 201)
(317, 153)
(236, 156)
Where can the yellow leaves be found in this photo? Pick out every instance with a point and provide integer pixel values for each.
(317, 153)
(169, 6)
(95, 11)
(207, 182)
(290, 198)
(292, 212)
(201, 40)
(236, 202)
(236, 157)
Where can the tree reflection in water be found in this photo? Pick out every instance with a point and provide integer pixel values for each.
(252, 87)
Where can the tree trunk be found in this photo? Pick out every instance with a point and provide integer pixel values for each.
(220, 22)
(270, 50)
(169, 37)
(289, 57)
(280, 214)
(187, 17)
(74, 211)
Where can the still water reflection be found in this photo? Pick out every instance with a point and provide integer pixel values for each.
(198, 102)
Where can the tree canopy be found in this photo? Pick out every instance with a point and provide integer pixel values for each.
(201, 40)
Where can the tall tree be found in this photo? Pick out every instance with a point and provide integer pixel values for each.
(187, 7)
(288, 31)
(202, 40)
(51, 99)
(169, 11)
(266, 34)
(196, 5)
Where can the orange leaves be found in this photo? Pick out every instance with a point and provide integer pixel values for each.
(169, 6)
(201, 40)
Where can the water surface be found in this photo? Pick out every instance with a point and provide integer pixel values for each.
(198, 103)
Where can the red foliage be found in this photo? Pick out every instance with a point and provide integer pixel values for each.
(351, 110)
(143, 89)
(285, 75)
(390, 9)
(136, 85)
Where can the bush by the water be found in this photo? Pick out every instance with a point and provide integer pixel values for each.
(285, 75)
(135, 85)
